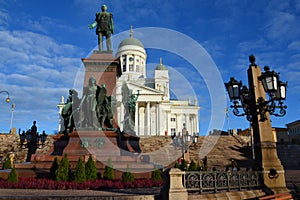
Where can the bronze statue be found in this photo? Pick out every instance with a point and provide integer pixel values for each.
(88, 105)
(129, 101)
(105, 27)
(68, 111)
(95, 111)
(104, 108)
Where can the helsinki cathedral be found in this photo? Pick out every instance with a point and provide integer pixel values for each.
(155, 113)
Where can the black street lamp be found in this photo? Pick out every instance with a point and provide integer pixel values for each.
(27, 138)
(32, 141)
(7, 100)
(195, 138)
(241, 97)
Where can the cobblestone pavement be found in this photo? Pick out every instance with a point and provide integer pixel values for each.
(138, 193)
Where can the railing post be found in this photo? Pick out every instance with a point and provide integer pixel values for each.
(215, 181)
(228, 181)
(201, 182)
(173, 187)
(239, 180)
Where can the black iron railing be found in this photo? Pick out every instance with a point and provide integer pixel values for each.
(214, 181)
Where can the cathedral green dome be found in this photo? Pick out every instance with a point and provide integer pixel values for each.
(161, 67)
(131, 41)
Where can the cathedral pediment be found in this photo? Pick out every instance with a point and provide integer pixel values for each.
(144, 89)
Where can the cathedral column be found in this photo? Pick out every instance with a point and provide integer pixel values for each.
(157, 119)
(136, 118)
(186, 122)
(142, 124)
(127, 63)
(167, 121)
(197, 124)
(177, 128)
(148, 118)
(134, 63)
(191, 119)
(179, 123)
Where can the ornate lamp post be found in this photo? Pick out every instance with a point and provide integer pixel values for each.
(195, 138)
(257, 109)
(32, 141)
(7, 99)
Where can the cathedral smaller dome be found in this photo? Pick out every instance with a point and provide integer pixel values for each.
(161, 66)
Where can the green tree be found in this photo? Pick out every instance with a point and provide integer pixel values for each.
(79, 175)
(54, 167)
(127, 176)
(193, 166)
(13, 176)
(156, 174)
(63, 171)
(7, 164)
(109, 171)
(90, 169)
(183, 165)
(177, 165)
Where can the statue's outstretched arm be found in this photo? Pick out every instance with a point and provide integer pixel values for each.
(93, 25)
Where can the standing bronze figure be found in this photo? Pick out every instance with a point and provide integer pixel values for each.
(105, 27)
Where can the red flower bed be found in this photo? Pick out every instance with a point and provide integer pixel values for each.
(33, 183)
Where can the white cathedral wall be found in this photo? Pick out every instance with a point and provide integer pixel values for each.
(153, 119)
(141, 126)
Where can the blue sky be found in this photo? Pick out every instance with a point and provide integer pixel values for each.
(42, 43)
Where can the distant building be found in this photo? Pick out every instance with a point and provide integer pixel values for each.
(294, 131)
(281, 135)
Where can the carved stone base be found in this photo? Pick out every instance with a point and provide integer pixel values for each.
(102, 145)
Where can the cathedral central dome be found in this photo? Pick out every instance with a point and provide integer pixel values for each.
(131, 41)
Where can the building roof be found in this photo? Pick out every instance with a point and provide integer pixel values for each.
(293, 123)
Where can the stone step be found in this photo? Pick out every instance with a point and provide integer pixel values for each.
(249, 194)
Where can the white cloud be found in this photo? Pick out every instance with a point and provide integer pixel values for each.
(37, 71)
(4, 18)
(294, 45)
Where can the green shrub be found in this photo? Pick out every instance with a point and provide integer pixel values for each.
(63, 171)
(13, 176)
(79, 175)
(127, 176)
(156, 174)
(177, 165)
(7, 164)
(54, 167)
(109, 171)
(183, 165)
(91, 169)
(193, 166)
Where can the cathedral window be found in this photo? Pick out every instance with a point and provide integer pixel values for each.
(173, 130)
(131, 68)
(137, 68)
(173, 119)
(124, 68)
